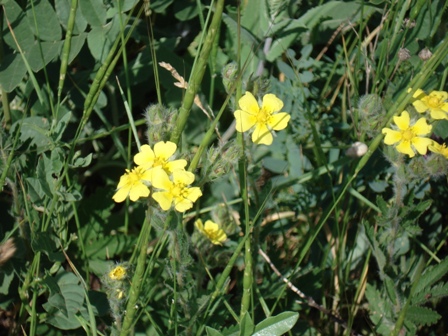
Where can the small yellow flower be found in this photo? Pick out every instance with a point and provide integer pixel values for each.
(160, 156)
(212, 231)
(408, 137)
(118, 273)
(132, 184)
(436, 103)
(266, 119)
(176, 190)
(439, 149)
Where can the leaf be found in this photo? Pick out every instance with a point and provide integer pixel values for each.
(94, 12)
(276, 325)
(431, 275)
(186, 10)
(42, 242)
(422, 315)
(212, 332)
(76, 46)
(109, 246)
(5, 281)
(63, 12)
(46, 50)
(285, 36)
(37, 130)
(437, 292)
(69, 303)
(43, 21)
(381, 312)
(18, 23)
(61, 126)
(12, 71)
(246, 325)
(79, 162)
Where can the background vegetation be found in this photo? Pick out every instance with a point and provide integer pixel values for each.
(318, 242)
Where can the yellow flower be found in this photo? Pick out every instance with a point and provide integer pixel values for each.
(118, 273)
(160, 156)
(407, 135)
(175, 191)
(212, 231)
(266, 120)
(439, 149)
(132, 184)
(436, 103)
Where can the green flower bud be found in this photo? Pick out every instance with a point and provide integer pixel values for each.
(229, 74)
(371, 114)
(161, 122)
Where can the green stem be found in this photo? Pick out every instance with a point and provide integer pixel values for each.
(137, 279)
(197, 74)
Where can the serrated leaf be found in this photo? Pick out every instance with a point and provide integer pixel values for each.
(422, 315)
(276, 325)
(381, 311)
(43, 20)
(431, 275)
(437, 292)
(36, 129)
(94, 12)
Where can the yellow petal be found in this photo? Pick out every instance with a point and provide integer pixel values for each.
(402, 121)
(244, 120)
(279, 121)
(183, 177)
(145, 157)
(438, 114)
(440, 95)
(249, 104)
(160, 179)
(419, 94)
(199, 225)
(262, 135)
(420, 106)
(211, 226)
(271, 103)
(405, 148)
(391, 136)
(421, 144)
(193, 193)
(421, 127)
(137, 191)
(121, 195)
(183, 205)
(176, 164)
(164, 199)
(164, 150)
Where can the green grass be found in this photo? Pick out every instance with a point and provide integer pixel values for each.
(317, 242)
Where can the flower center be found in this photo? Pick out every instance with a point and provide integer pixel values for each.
(407, 135)
(433, 102)
(179, 190)
(263, 116)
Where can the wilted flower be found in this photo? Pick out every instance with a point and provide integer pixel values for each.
(160, 156)
(176, 190)
(407, 136)
(436, 103)
(266, 118)
(439, 149)
(132, 184)
(212, 231)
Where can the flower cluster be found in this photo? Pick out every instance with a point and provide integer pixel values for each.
(157, 168)
(264, 120)
(410, 137)
(212, 231)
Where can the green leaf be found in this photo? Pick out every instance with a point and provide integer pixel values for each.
(42, 242)
(212, 332)
(46, 50)
(440, 128)
(246, 325)
(76, 46)
(276, 325)
(69, 300)
(43, 20)
(381, 311)
(286, 31)
(22, 32)
(5, 281)
(186, 10)
(37, 130)
(80, 162)
(94, 12)
(109, 246)
(422, 315)
(61, 126)
(63, 11)
(431, 275)
(12, 71)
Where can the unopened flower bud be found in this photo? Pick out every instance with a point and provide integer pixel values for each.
(229, 74)
(160, 121)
